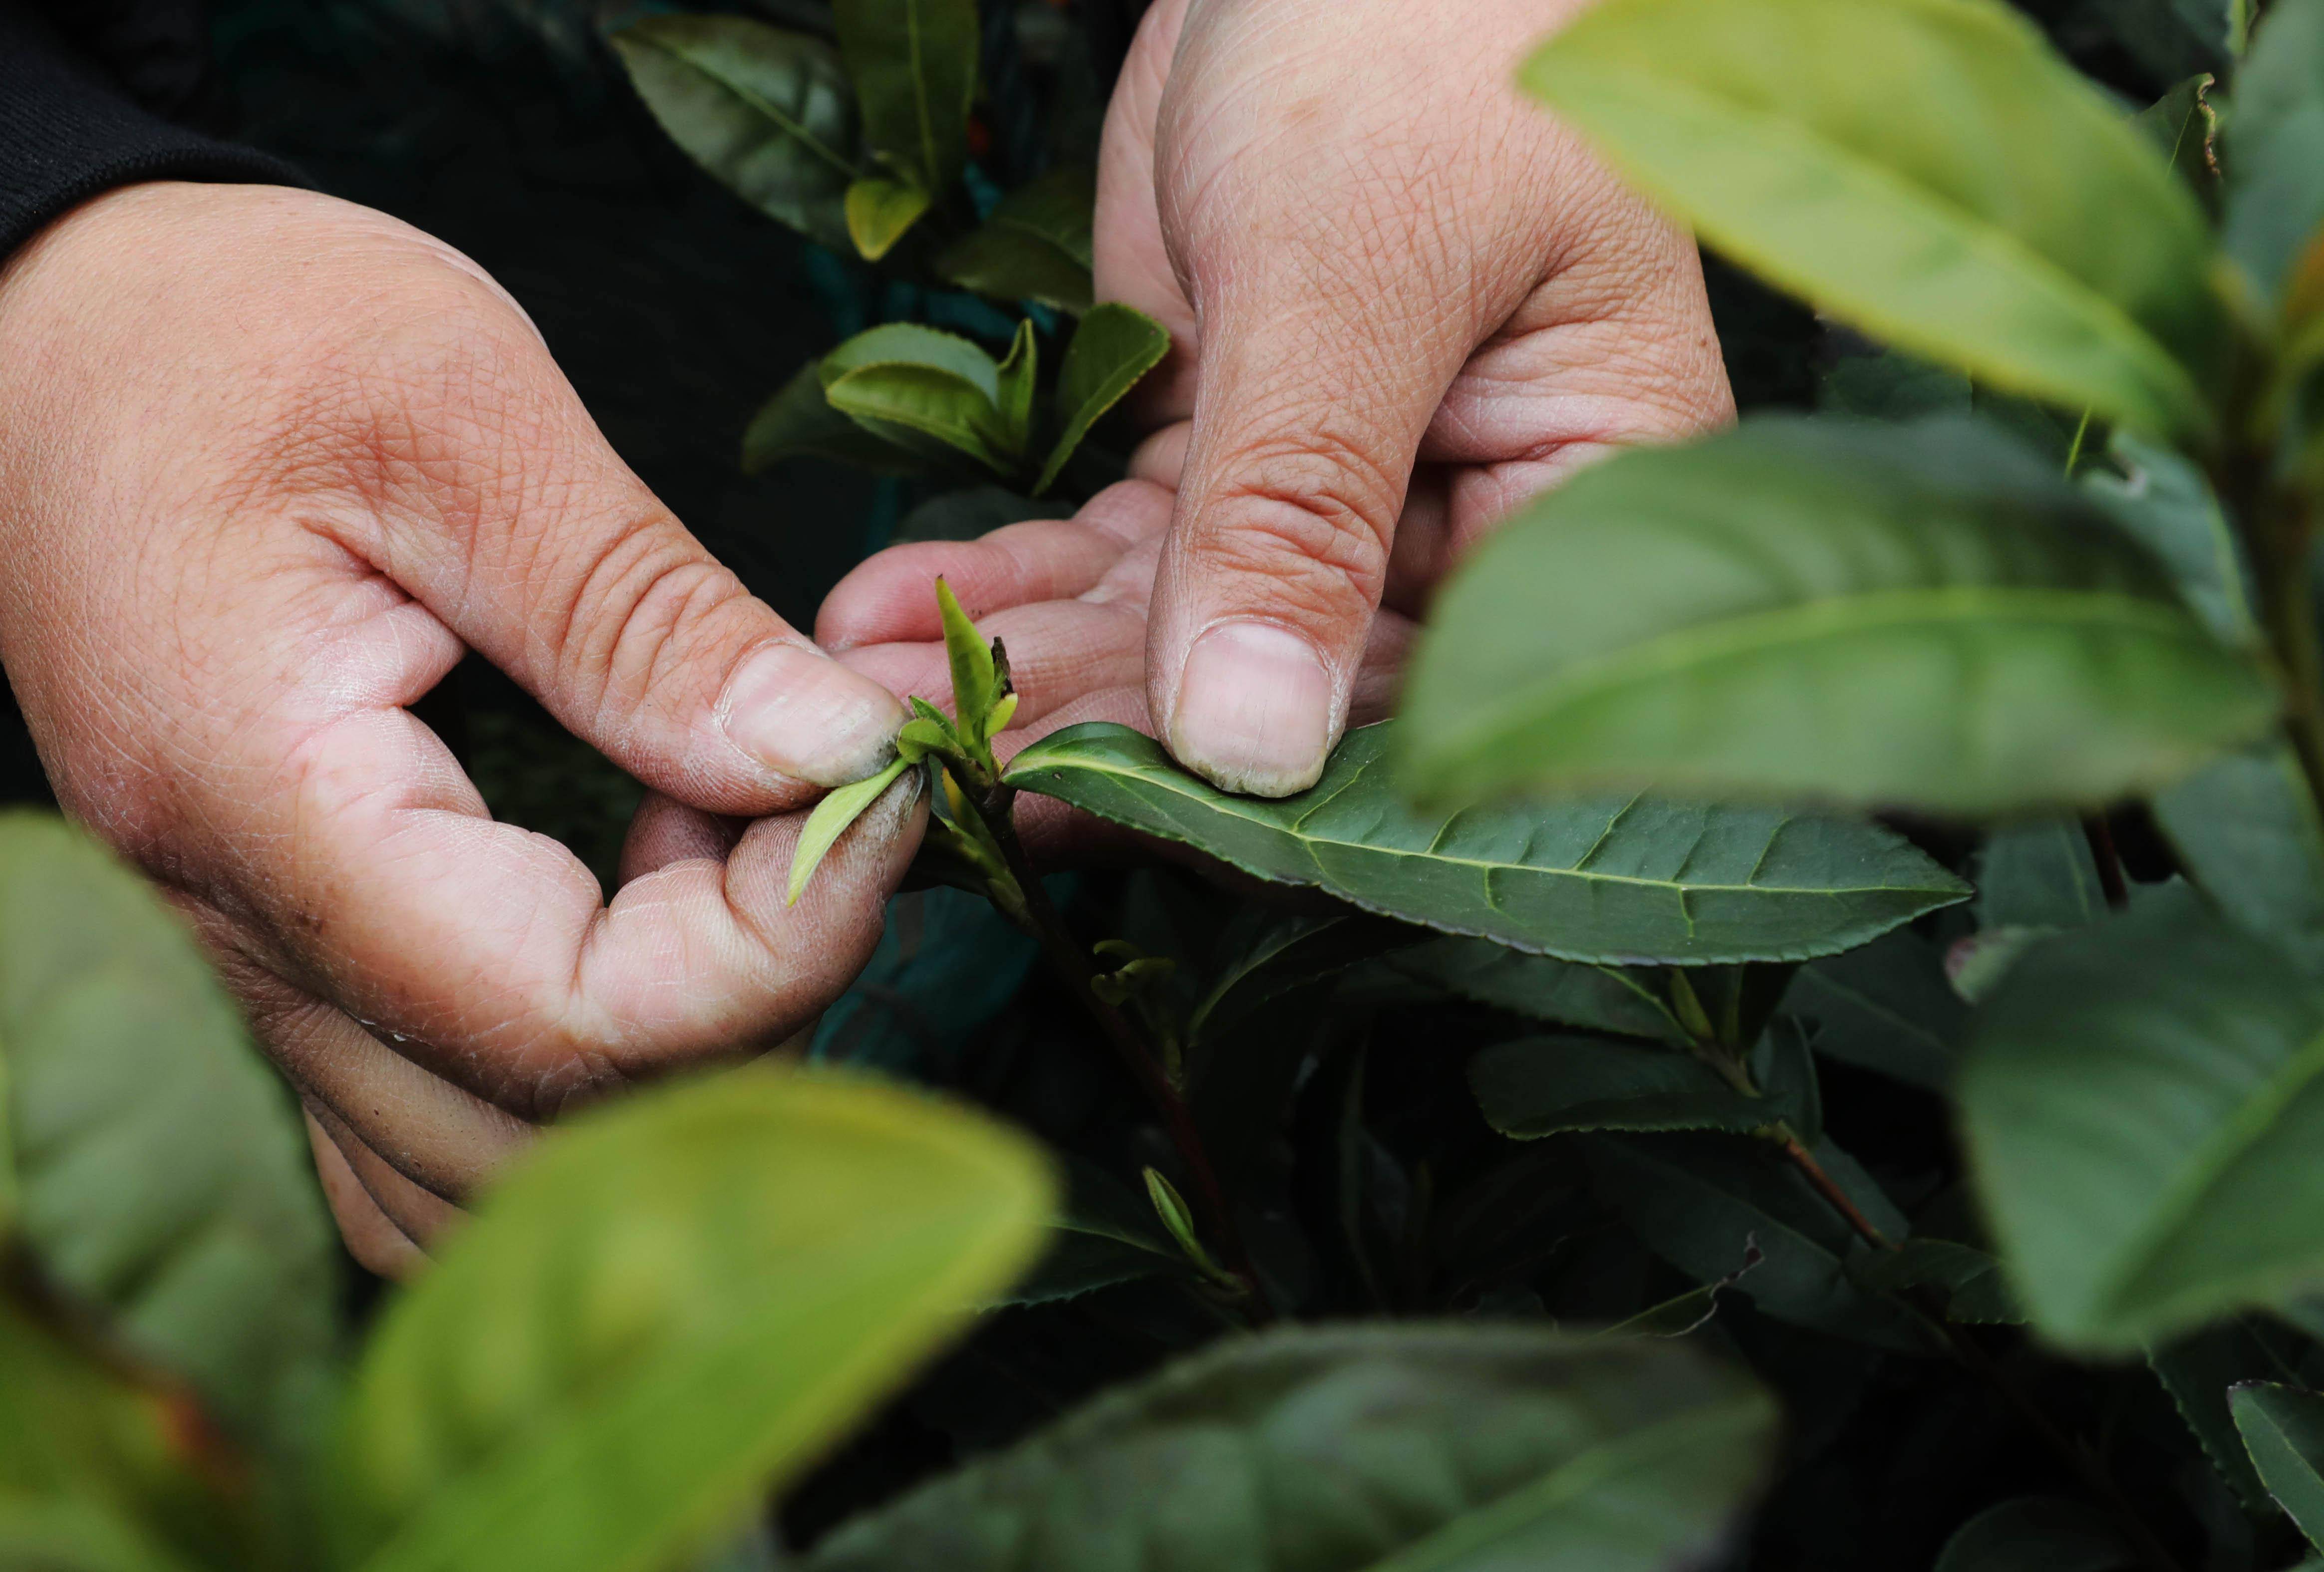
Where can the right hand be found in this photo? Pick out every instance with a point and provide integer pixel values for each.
(269, 463)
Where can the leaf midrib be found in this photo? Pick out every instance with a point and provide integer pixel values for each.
(2210, 1161)
(795, 129)
(1710, 1425)
(1225, 806)
(1803, 624)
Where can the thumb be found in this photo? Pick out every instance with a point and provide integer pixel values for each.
(1312, 400)
(538, 546)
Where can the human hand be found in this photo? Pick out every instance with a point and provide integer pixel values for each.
(268, 463)
(1403, 300)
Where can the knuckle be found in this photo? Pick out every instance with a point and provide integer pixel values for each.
(1317, 513)
(633, 618)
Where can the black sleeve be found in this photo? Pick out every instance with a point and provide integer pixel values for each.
(85, 110)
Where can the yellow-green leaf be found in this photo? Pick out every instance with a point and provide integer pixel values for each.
(667, 1309)
(1927, 170)
(830, 820)
(879, 211)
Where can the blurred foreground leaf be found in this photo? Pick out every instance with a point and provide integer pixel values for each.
(668, 1308)
(1357, 1449)
(2275, 146)
(768, 112)
(1912, 615)
(99, 1473)
(1848, 151)
(163, 1175)
(2143, 1100)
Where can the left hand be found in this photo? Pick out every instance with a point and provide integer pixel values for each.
(1403, 300)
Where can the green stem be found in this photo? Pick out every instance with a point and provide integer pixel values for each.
(2108, 858)
(1076, 968)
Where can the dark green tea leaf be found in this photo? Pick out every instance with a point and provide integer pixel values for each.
(2200, 1372)
(2037, 1534)
(799, 422)
(1279, 954)
(2284, 1429)
(1684, 1314)
(1884, 1008)
(1035, 245)
(1966, 1279)
(1460, 1448)
(768, 112)
(1114, 347)
(2143, 1100)
(667, 1308)
(1547, 1085)
(1921, 615)
(1613, 879)
(1104, 1235)
(2038, 873)
(2246, 829)
(1564, 993)
(1848, 152)
(1703, 1202)
(2161, 499)
(914, 65)
(164, 1177)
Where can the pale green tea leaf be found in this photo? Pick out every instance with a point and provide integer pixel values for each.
(832, 816)
(1868, 155)
(879, 211)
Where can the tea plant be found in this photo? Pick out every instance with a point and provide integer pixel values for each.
(866, 145)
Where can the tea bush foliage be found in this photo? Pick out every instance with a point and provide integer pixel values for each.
(1801, 1043)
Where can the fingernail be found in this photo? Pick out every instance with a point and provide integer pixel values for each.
(1254, 709)
(801, 714)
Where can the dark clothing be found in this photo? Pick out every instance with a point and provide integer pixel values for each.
(95, 94)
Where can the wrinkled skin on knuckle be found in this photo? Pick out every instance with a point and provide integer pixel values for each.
(633, 607)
